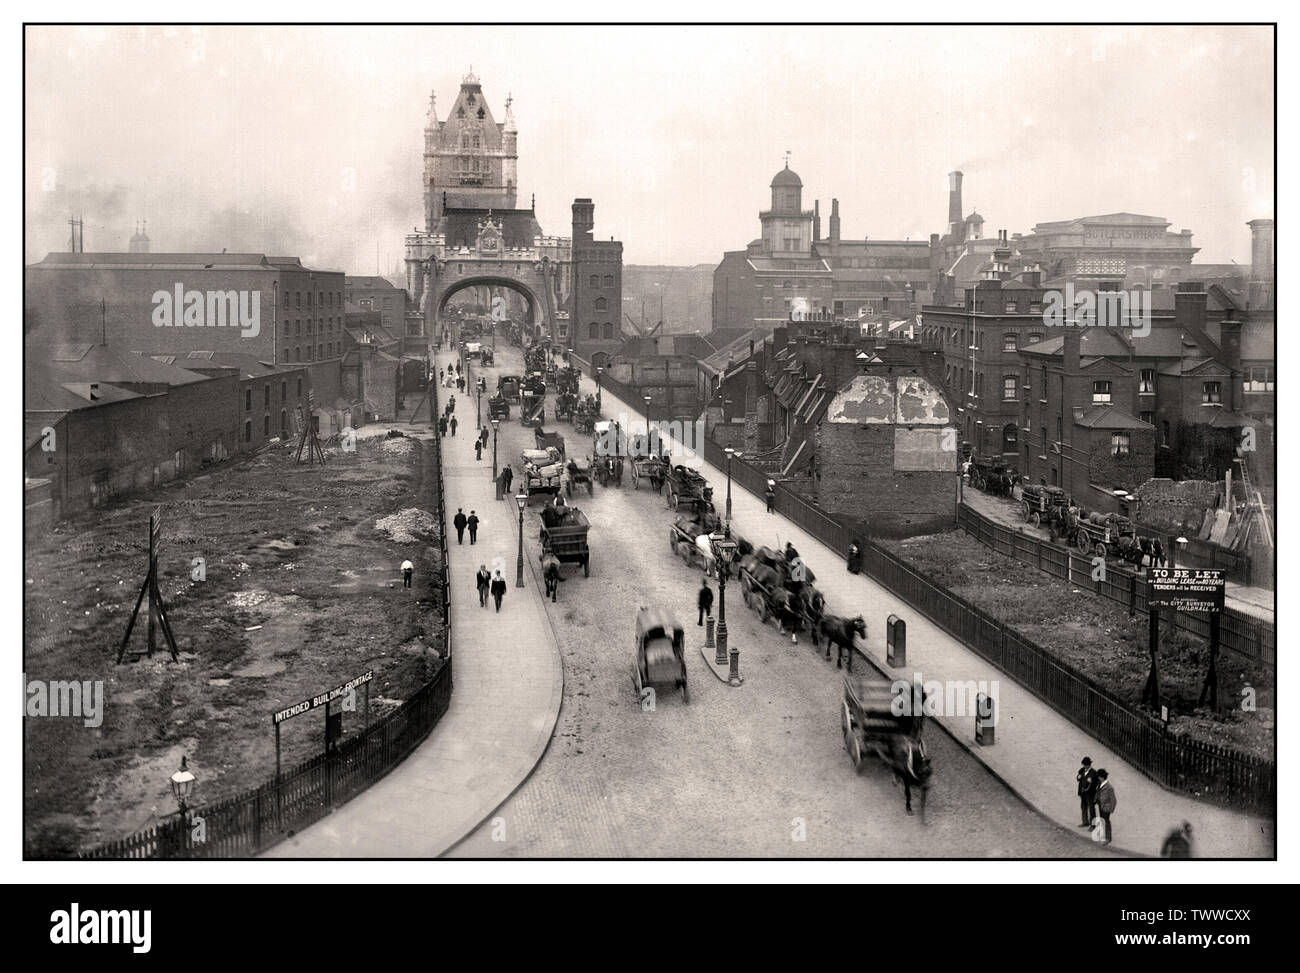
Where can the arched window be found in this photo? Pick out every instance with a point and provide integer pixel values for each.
(601, 304)
(609, 330)
(609, 280)
(1009, 438)
(593, 330)
(595, 280)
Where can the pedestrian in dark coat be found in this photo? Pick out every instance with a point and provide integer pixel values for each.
(770, 495)
(442, 427)
(482, 581)
(508, 475)
(459, 523)
(1087, 787)
(1106, 801)
(1178, 843)
(498, 589)
(478, 450)
(472, 524)
(453, 425)
(483, 437)
(705, 600)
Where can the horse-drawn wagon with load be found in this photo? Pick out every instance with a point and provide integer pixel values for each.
(997, 477)
(1042, 504)
(781, 585)
(541, 471)
(564, 536)
(547, 440)
(509, 386)
(687, 488)
(532, 408)
(660, 659)
(566, 403)
(580, 473)
(690, 538)
(873, 724)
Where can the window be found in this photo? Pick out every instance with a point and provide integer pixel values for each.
(1043, 431)
(1043, 397)
(1009, 387)
(1259, 378)
(297, 298)
(1009, 341)
(1148, 417)
(266, 397)
(609, 330)
(1119, 443)
(1210, 393)
(593, 330)
(248, 400)
(609, 280)
(1101, 393)
(286, 300)
(1147, 381)
(1035, 307)
(786, 286)
(1035, 336)
(1011, 307)
(595, 280)
(1009, 440)
(602, 304)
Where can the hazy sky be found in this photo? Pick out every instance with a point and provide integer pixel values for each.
(307, 141)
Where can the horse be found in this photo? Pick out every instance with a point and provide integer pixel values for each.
(911, 765)
(551, 574)
(839, 632)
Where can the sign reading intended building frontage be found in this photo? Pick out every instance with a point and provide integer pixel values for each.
(309, 704)
(1186, 589)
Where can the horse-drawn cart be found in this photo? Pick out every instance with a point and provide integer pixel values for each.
(873, 724)
(532, 408)
(684, 538)
(1039, 503)
(564, 535)
(508, 387)
(688, 488)
(546, 440)
(660, 653)
(652, 469)
(541, 471)
(580, 474)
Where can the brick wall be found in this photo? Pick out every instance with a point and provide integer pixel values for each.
(204, 423)
(859, 482)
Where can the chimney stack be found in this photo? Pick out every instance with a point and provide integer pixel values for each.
(1189, 306)
(954, 200)
(835, 221)
(817, 220)
(1262, 266)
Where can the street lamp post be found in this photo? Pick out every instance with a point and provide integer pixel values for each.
(724, 550)
(731, 454)
(182, 783)
(478, 406)
(649, 437)
(599, 372)
(521, 499)
(496, 425)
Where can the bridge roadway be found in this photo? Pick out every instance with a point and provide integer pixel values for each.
(758, 770)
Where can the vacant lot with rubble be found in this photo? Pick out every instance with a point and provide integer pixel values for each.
(300, 590)
(1098, 638)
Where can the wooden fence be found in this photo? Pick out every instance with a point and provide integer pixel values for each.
(1221, 774)
(1238, 632)
(249, 823)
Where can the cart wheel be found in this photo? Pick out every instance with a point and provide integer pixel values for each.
(1081, 541)
(1034, 519)
(851, 742)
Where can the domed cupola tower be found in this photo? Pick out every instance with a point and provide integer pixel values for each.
(787, 227)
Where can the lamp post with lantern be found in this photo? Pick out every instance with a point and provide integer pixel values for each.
(599, 372)
(182, 785)
(732, 453)
(496, 427)
(724, 550)
(521, 499)
(649, 437)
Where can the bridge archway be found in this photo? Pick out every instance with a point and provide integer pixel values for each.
(530, 280)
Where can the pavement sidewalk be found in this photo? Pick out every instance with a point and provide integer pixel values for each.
(508, 687)
(1037, 751)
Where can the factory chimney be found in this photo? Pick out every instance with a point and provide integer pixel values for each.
(835, 221)
(954, 201)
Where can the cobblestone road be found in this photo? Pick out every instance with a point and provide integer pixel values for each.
(755, 771)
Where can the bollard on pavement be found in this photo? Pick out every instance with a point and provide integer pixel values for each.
(708, 632)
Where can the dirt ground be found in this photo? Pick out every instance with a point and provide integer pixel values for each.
(1099, 639)
(301, 593)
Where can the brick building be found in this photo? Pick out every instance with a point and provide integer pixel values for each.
(272, 308)
(379, 295)
(596, 300)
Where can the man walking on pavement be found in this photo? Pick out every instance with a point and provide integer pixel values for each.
(770, 494)
(482, 581)
(453, 425)
(1106, 802)
(508, 476)
(478, 450)
(472, 524)
(1087, 787)
(483, 436)
(407, 570)
(498, 588)
(442, 427)
(705, 600)
(459, 523)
